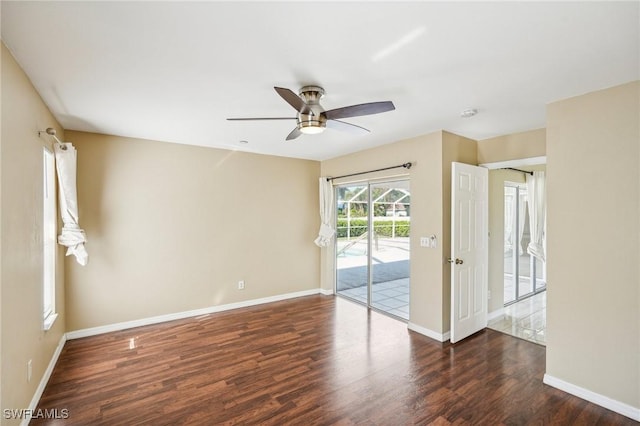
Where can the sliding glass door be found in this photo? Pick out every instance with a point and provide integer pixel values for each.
(524, 275)
(372, 262)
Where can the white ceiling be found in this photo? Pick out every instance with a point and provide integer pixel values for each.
(174, 71)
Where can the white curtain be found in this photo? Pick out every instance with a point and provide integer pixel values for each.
(537, 193)
(71, 236)
(326, 231)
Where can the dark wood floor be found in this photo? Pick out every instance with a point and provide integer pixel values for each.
(307, 361)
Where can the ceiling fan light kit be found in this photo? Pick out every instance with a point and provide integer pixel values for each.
(311, 127)
(312, 119)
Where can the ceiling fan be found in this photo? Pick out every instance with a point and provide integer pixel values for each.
(313, 119)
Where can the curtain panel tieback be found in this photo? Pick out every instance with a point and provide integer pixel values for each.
(74, 238)
(325, 235)
(536, 250)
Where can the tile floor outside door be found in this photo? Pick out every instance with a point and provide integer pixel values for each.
(388, 296)
(389, 276)
(526, 319)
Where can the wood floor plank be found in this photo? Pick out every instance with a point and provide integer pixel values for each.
(315, 360)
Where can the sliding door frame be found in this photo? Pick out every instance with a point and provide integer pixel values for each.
(515, 252)
(370, 184)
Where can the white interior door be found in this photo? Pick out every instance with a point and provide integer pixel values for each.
(469, 250)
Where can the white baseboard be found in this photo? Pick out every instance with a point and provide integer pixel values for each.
(494, 315)
(93, 331)
(429, 333)
(45, 379)
(326, 292)
(596, 398)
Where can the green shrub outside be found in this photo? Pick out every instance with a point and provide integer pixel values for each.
(383, 228)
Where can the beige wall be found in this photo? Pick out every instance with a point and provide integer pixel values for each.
(430, 178)
(593, 309)
(23, 114)
(173, 228)
(512, 147)
(497, 179)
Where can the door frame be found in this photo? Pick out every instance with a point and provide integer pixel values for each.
(498, 311)
(370, 184)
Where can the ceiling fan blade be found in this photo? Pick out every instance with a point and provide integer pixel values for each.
(348, 127)
(359, 110)
(294, 134)
(259, 118)
(294, 100)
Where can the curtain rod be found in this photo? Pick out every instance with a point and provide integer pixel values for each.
(517, 170)
(405, 165)
(52, 132)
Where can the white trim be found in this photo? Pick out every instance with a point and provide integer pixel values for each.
(497, 314)
(326, 292)
(49, 320)
(45, 379)
(601, 400)
(77, 334)
(429, 333)
(531, 161)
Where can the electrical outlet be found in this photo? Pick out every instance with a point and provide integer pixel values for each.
(424, 242)
(241, 285)
(29, 370)
(489, 294)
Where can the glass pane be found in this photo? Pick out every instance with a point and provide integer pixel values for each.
(525, 267)
(509, 246)
(524, 275)
(49, 234)
(352, 224)
(391, 203)
(541, 275)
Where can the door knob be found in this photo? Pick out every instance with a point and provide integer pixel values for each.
(456, 261)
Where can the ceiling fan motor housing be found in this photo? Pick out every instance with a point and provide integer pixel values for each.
(315, 122)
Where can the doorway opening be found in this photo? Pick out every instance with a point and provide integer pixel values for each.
(372, 262)
(523, 276)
